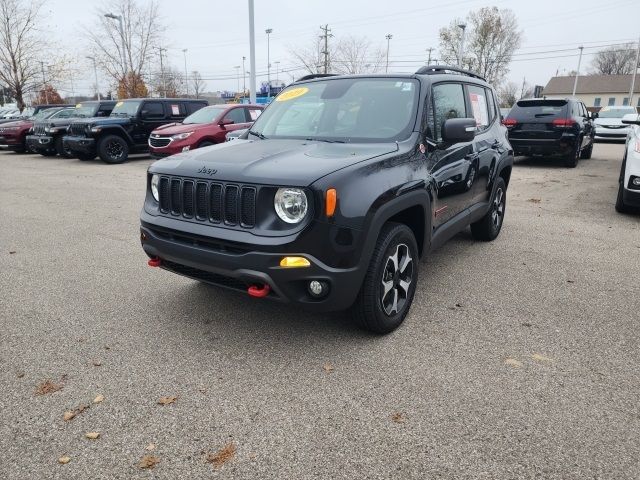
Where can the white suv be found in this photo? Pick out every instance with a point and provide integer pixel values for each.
(629, 181)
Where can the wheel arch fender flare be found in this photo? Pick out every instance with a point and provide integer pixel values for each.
(116, 130)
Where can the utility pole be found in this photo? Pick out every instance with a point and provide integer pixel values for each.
(277, 62)
(463, 27)
(252, 56)
(430, 49)
(575, 83)
(635, 71)
(237, 67)
(44, 84)
(95, 72)
(524, 83)
(244, 76)
(186, 77)
(327, 34)
(268, 31)
(388, 36)
(164, 87)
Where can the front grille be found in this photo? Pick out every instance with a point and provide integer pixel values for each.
(77, 129)
(205, 276)
(211, 202)
(38, 129)
(159, 142)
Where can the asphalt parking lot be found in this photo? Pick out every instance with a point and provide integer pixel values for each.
(519, 358)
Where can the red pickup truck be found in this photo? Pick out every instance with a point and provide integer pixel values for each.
(207, 126)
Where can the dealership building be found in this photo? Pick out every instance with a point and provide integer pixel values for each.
(596, 90)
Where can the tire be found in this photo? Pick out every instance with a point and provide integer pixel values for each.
(620, 205)
(571, 161)
(587, 152)
(84, 156)
(489, 226)
(205, 144)
(113, 149)
(381, 312)
(60, 150)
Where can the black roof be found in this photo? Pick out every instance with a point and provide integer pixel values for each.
(201, 100)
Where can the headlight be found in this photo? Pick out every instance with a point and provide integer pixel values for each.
(290, 204)
(180, 136)
(155, 182)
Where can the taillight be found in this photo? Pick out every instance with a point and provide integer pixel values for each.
(637, 149)
(563, 122)
(509, 122)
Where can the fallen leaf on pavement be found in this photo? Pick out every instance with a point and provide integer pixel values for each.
(148, 461)
(151, 446)
(222, 456)
(167, 400)
(47, 387)
(541, 358)
(92, 435)
(11, 252)
(98, 399)
(512, 362)
(64, 460)
(328, 367)
(526, 324)
(398, 417)
(69, 415)
(534, 200)
(20, 375)
(96, 363)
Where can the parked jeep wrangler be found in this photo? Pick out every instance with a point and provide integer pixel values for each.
(47, 135)
(339, 187)
(127, 128)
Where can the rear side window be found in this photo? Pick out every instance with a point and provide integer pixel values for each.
(538, 109)
(479, 106)
(194, 107)
(254, 113)
(153, 110)
(448, 102)
(236, 115)
(493, 109)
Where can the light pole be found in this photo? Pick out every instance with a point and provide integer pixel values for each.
(95, 72)
(463, 27)
(575, 82)
(164, 86)
(237, 67)
(124, 55)
(244, 76)
(388, 36)
(268, 31)
(252, 55)
(186, 80)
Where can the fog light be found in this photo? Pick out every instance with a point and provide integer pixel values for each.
(318, 288)
(294, 262)
(185, 149)
(636, 182)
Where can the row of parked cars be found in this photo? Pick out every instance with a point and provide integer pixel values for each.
(112, 130)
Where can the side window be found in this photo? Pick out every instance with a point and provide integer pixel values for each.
(152, 110)
(104, 110)
(254, 113)
(493, 112)
(194, 107)
(479, 108)
(237, 115)
(448, 102)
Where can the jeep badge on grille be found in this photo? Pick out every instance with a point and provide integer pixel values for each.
(208, 171)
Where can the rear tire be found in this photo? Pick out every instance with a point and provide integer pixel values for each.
(388, 287)
(113, 149)
(64, 153)
(571, 161)
(489, 226)
(586, 153)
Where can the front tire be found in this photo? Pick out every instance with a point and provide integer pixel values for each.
(113, 149)
(489, 226)
(388, 288)
(587, 152)
(63, 152)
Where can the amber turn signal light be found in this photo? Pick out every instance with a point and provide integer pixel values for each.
(330, 202)
(294, 262)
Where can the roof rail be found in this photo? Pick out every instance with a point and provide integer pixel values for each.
(315, 75)
(438, 69)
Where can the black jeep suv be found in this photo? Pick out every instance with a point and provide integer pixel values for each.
(47, 135)
(329, 200)
(127, 129)
(551, 127)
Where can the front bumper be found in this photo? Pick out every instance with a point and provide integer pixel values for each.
(603, 133)
(238, 266)
(40, 143)
(10, 140)
(79, 144)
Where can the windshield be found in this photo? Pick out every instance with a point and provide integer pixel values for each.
(85, 110)
(342, 110)
(125, 109)
(205, 115)
(615, 112)
(46, 113)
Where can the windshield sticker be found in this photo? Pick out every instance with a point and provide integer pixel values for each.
(254, 114)
(119, 104)
(175, 109)
(79, 105)
(291, 94)
(480, 112)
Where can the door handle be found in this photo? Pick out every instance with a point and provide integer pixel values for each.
(495, 145)
(472, 156)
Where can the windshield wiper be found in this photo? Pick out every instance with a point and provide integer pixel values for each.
(256, 134)
(326, 140)
(538, 115)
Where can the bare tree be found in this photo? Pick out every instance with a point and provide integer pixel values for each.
(492, 36)
(169, 83)
(508, 94)
(356, 55)
(311, 57)
(197, 84)
(615, 60)
(19, 52)
(126, 56)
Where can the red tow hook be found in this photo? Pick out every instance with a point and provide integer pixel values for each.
(258, 291)
(154, 262)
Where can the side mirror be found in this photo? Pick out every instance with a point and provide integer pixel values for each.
(225, 121)
(457, 130)
(593, 115)
(631, 119)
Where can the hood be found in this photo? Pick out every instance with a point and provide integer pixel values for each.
(271, 161)
(103, 120)
(58, 122)
(175, 128)
(17, 123)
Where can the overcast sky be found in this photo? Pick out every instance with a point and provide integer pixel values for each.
(216, 32)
